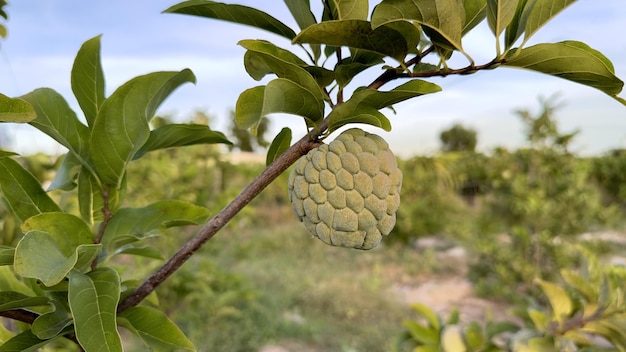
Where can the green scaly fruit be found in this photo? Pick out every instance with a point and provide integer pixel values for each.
(347, 192)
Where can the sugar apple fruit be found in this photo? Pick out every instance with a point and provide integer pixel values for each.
(347, 192)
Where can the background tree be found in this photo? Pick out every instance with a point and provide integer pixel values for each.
(246, 140)
(458, 138)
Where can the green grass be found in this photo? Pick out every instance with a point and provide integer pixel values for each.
(251, 286)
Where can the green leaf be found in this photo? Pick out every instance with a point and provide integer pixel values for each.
(66, 173)
(500, 13)
(38, 256)
(7, 255)
(364, 104)
(15, 110)
(179, 135)
(351, 66)
(24, 342)
(56, 119)
(560, 302)
(281, 142)
(540, 13)
(422, 334)
(88, 79)
(352, 9)
(285, 96)
(23, 191)
(452, 339)
(155, 328)
(539, 319)
(143, 251)
(428, 314)
(121, 126)
(51, 324)
(269, 58)
(475, 12)
(159, 215)
(517, 26)
(248, 107)
(443, 17)
(358, 34)
(233, 13)
(93, 301)
(581, 285)
(301, 12)
(571, 60)
(16, 300)
(68, 231)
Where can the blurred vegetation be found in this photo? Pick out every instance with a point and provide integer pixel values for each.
(518, 213)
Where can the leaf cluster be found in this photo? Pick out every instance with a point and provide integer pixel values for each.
(586, 311)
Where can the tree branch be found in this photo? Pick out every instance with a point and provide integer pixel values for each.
(300, 148)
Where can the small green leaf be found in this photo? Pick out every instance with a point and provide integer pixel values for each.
(539, 319)
(15, 110)
(559, 300)
(51, 324)
(541, 12)
(269, 58)
(88, 79)
(359, 61)
(581, 285)
(38, 256)
(500, 13)
(475, 12)
(574, 61)
(93, 302)
(155, 328)
(25, 341)
(358, 34)
(56, 119)
(285, 96)
(422, 334)
(23, 191)
(67, 173)
(179, 135)
(452, 339)
(364, 104)
(443, 17)
(257, 66)
(430, 316)
(68, 231)
(248, 107)
(281, 142)
(159, 215)
(301, 12)
(16, 300)
(121, 127)
(233, 13)
(142, 251)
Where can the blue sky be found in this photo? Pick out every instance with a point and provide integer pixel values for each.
(137, 38)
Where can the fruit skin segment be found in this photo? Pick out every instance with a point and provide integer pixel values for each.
(347, 192)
